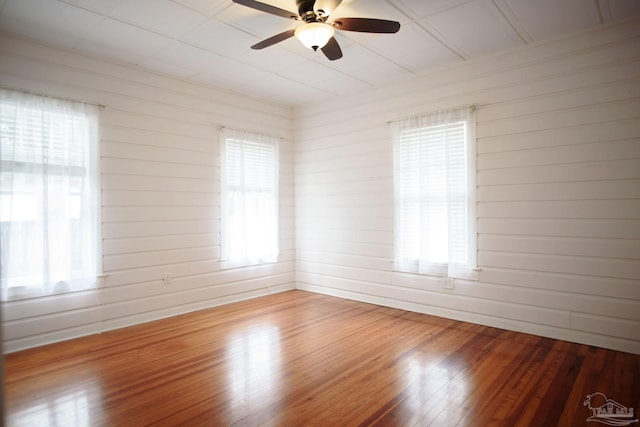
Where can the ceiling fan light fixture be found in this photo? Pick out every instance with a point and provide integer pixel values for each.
(314, 35)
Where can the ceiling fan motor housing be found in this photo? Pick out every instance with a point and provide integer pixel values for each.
(306, 12)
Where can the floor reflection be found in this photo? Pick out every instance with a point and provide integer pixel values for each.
(71, 409)
(255, 362)
(433, 388)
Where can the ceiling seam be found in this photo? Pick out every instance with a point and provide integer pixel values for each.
(432, 32)
(508, 14)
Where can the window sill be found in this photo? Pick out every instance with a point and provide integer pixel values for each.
(231, 265)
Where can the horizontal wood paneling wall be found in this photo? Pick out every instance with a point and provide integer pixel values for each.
(160, 195)
(558, 142)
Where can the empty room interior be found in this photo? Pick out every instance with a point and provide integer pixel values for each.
(320, 212)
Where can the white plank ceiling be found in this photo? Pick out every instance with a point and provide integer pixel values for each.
(209, 41)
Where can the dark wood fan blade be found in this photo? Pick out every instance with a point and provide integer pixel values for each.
(332, 49)
(273, 40)
(326, 6)
(267, 8)
(366, 25)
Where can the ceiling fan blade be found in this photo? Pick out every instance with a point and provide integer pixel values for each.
(273, 40)
(326, 6)
(263, 7)
(332, 49)
(366, 25)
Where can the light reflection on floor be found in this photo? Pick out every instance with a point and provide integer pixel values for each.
(254, 357)
(432, 388)
(71, 409)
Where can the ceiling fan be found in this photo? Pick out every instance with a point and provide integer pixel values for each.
(316, 33)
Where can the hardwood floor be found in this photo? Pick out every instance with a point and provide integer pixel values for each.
(299, 358)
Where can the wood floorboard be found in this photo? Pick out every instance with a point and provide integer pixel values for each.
(299, 358)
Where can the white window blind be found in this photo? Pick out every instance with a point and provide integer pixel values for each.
(434, 185)
(249, 198)
(49, 195)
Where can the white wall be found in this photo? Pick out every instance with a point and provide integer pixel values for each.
(559, 192)
(159, 194)
(558, 130)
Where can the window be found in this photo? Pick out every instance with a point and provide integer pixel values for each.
(49, 195)
(249, 198)
(434, 209)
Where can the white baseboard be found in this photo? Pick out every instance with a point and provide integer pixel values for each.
(579, 337)
(11, 346)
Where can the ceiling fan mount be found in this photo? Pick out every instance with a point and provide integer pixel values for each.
(317, 32)
(306, 12)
